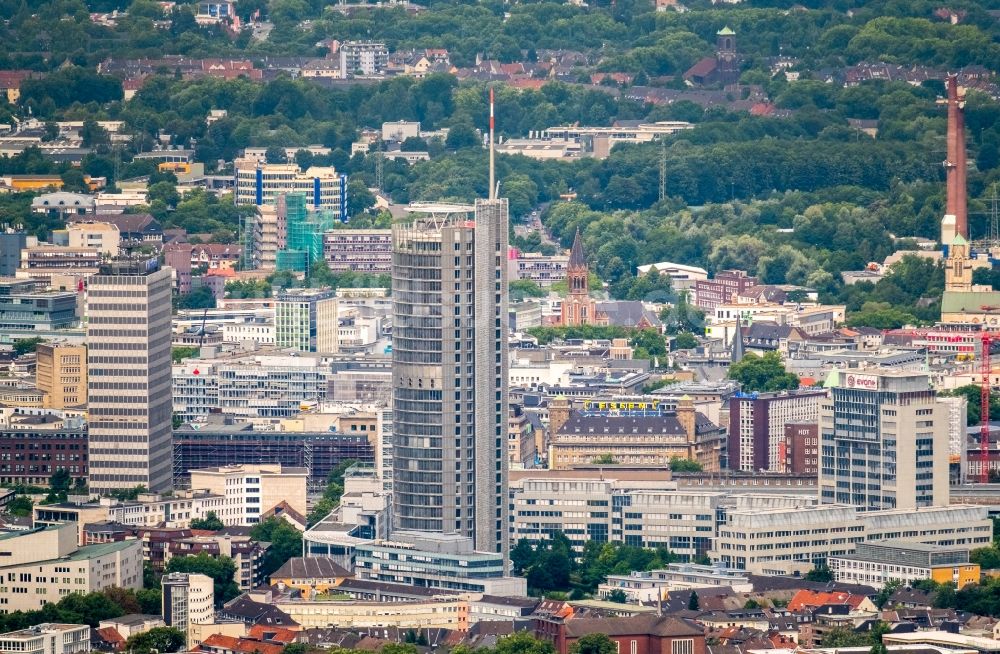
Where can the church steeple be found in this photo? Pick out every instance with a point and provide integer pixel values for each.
(577, 273)
(737, 352)
(576, 257)
(577, 308)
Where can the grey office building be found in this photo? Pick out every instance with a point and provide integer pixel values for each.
(128, 376)
(449, 292)
(883, 442)
(11, 244)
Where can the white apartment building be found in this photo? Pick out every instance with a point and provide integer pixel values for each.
(260, 184)
(363, 58)
(255, 331)
(44, 564)
(47, 638)
(188, 600)
(794, 539)
(251, 490)
(649, 586)
(884, 442)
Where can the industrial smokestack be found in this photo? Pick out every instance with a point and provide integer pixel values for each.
(955, 164)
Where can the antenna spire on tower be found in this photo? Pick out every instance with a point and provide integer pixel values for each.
(493, 190)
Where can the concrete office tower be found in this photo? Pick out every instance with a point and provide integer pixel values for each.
(61, 373)
(11, 244)
(449, 293)
(305, 319)
(128, 376)
(188, 600)
(757, 426)
(883, 442)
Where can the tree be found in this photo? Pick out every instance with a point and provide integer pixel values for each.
(286, 542)
(521, 642)
(200, 298)
(820, 573)
(221, 569)
(521, 288)
(210, 522)
(156, 640)
(878, 630)
(275, 155)
(20, 506)
(988, 558)
(685, 341)
(60, 481)
(618, 595)
(462, 135)
(764, 374)
(359, 198)
(178, 354)
(594, 644)
(605, 459)
(150, 600)
(838, 637)
(693, 604)
(24, 346)
(678, 464)
(751, 604)
(883, 595)
(413, 144)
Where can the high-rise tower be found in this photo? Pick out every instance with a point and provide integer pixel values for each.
(128, 376)
(449, 365)
(449, 290)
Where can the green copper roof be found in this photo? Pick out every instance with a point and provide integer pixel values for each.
(959, 240)
(726, 31)
(972, 302)
(832, 379)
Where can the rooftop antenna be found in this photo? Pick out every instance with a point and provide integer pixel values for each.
(493, 189)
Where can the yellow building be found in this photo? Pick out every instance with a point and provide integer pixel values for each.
(182, 167)
(61, 373)
(319, 574)
(18, 183)
(878, 562)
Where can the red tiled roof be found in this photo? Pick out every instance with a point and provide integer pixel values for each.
(272, 634)
(702, 68)
(111, 635)
(221, 643)
(811, 599)
(11, 79)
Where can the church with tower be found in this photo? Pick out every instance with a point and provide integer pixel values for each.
(723, 68)
(578, 308)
